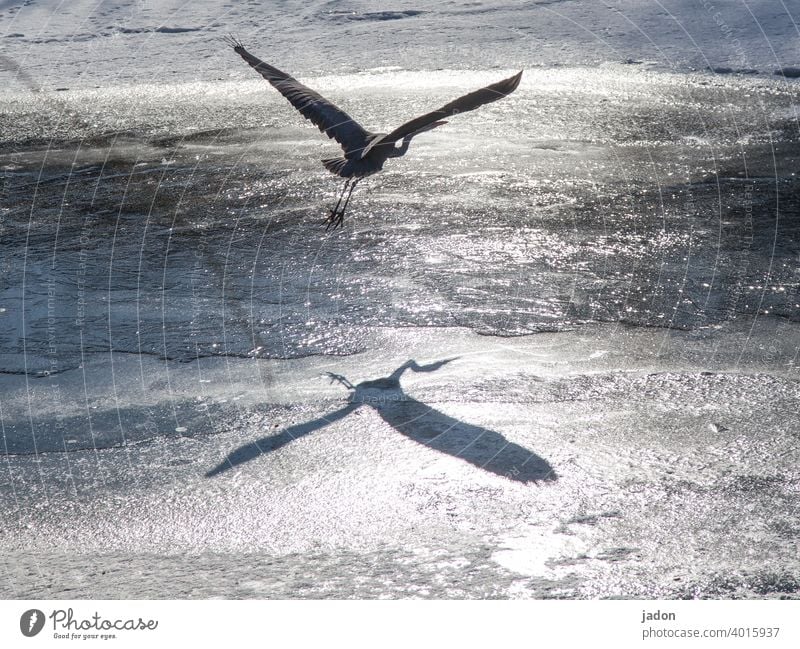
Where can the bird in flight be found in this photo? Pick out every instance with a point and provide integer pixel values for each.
(365, 152)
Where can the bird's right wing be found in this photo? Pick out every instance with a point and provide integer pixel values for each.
(463, 104)
(326, 116)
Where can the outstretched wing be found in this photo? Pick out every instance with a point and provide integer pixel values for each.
(461, 105)
(327, 117)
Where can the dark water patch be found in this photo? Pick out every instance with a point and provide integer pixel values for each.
(193, 241)
(156, 30)
(193, 250)
(177, 30)
(377, 16)
(727, 70)
(762, 583)
(218, 137)
(789, 530)
(487, 10)
(102, 428)
(757, 484)
(618, 554)
(592, 519)
(789, 72)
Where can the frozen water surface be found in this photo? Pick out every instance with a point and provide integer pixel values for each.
(552, 353)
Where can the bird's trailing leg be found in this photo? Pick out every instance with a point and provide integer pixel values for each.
(333, 213)
(352, 187)
(336, 215)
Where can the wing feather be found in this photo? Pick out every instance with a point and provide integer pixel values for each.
(326, 116)
(463, 104)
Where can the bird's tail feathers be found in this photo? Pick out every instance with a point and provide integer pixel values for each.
(335, 165)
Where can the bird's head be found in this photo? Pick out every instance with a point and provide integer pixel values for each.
(427, 127)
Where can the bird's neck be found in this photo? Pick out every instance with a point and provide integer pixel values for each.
(401, 150)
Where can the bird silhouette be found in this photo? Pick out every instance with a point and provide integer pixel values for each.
(365, 152)
(483, 448)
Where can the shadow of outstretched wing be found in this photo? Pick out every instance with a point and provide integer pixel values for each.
(486, 449)
(273, 442)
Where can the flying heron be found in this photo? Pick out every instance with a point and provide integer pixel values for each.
(365, 152)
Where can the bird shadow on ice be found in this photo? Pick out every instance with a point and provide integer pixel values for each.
(484, 448)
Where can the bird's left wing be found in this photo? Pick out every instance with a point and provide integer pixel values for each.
(463, 104)
(326, 116)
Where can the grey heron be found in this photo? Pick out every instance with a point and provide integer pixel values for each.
(365, 152)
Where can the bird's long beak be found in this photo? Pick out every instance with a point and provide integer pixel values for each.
(430, 126)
